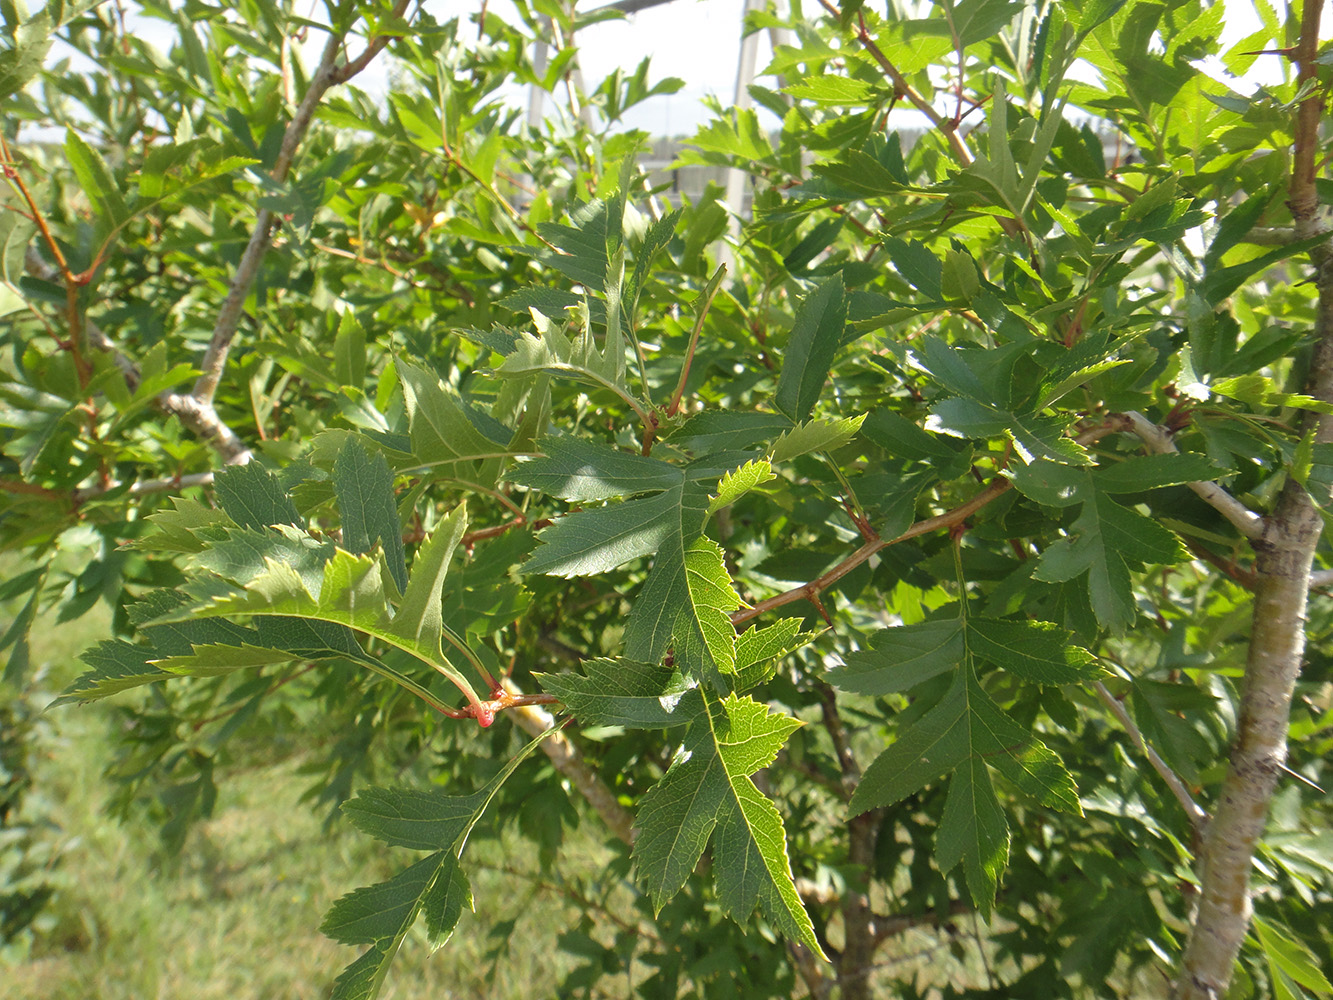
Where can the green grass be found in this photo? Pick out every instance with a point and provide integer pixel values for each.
(237, 913)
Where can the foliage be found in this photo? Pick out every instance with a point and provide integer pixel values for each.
(893, 577)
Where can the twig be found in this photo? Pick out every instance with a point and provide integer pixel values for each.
(328, 74)
(143, 487)
(1246, 521)
(1321, 578)
(709, 293)
(805, 592)
(565, 758)
(904, 88)
(198, 417)
(1197, 817)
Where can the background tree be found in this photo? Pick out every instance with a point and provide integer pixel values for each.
(895, 585)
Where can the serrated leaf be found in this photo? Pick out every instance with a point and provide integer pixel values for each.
(444, 438)
(973, 830)
(704, 638)
(735, 484)
(815, 435)
(1105, 541)
(436, 887)
(967, 730)
(901, 658)
(116, 666)
(581, 470)
(1039, 652)
(367, 507)
(815, 336)
(348, 591)
(1146, 472)
(253, 498)
(758, 650)
(618, 692)
(575, 356)
(707, 794)
(723, 430)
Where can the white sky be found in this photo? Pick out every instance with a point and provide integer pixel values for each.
(698, 41)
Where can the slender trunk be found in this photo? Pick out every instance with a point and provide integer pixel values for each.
(1284, 554)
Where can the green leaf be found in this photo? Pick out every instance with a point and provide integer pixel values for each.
(436, 887)
(444, 438)
(116, 666)
(738, 482)
(901, 658)
(575, 356)
(1146, 472)
(758, 650)
(1291, 956)
(706, 795)
(725, 430)
(253, 498)
(580, 470)
(367, 507)
(95, 178)
(966, 731)
(973, 830)
(839, 90)
(1105, 541)
(1039, 652)
(349, 591)
(815, 337)
(618, 692)
(815, 435)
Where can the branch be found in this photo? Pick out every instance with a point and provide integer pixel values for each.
(1197, 817)
(808, 591)
(904, 88)
(198, 417)
(565, 757)
(1284, 555)
(328, 74)
(1321, 578)
(1246, 521)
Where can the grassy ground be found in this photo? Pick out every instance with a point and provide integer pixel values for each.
(237, 915)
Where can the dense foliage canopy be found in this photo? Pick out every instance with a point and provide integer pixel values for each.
(876, 574)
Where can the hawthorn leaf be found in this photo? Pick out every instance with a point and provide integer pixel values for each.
(815, 435)
(815, 336)
(706, 795)
(435, 886)
(1105, 541)
(966, 730)
(619, 692)
(116, 665)
(597, 540)
(183, 527)
(349, 591)
(725, 430)
(1146, 472)
(735, 484)
(973, 830)
(1039, 652)
(253, 498)
(367, 507)
(575, 356)
(580, 470)
(901, 658)
(758, 650)
(444, 437)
